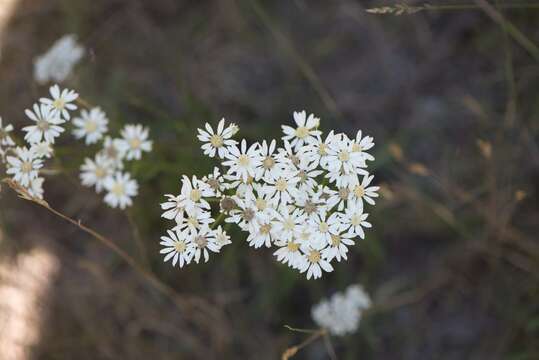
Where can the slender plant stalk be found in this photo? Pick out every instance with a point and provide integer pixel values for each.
(204, 311)
(303, 66)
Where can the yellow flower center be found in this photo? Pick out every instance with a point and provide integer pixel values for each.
(265, 229)
(292, 246)
(302, 132)
(179, 246)
(90, 126)
(268, 162)
(322, 149)
(281, 184)
(243, 160)
(216, 140)
(58, 104)
(314, 256)
(335, 240)
(261, 204)
(344, 155)
(355, 220)
(323, 227)
(356, 147)
(100, 172)
(192, 221)
(135, 143)
(117, 189)
(26, 167)
(359, 191)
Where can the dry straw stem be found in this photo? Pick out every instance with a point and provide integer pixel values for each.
(202, 312)
(315, 334)
(513, 31)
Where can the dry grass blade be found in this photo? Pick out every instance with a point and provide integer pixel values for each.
(201, 312)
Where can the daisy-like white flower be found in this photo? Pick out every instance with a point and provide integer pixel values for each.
(135, 141)
(362, 144)
(283, 189)
(215, 182)
(47, 124)
(91, 125)
(342, 159)
(261, 234)
(324, 227)
(24, 166)
(121, 188)
(315, 263)
(217, 141)
(42, 149)
(221, 237)
(58, 62)
(203, 240)
(305, 132)
(341, 314)
(270, 168)
(177, 248)
(114, 150)
(61, 102)
(243, 162)
(194, 219)
(338, 246)
(35, 188)
(193, 193)
(95, 172)
(354, 219)
(173, 208)
(365, 192)
(287, 222)
(289, 254)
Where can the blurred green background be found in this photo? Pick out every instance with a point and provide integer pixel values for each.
(450, 96)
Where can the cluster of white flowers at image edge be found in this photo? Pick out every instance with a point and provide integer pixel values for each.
(305, 197)
(49, 118)
(341, 313)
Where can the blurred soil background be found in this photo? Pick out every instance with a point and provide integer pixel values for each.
(452, 100)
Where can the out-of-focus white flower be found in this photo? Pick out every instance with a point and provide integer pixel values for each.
(217, 141)
(61, 102)
(114, 150)
(5, 139)
(135, 141)
(42, 149)
(95, 172)
(341, 313)
(24, 166)
(121, 188)
(57, 63)
(35, 188)
(91, 125)
(47, 124)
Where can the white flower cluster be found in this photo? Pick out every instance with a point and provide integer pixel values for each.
(306, 198)
(341, 313)
(50, 115)
(57, 63)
